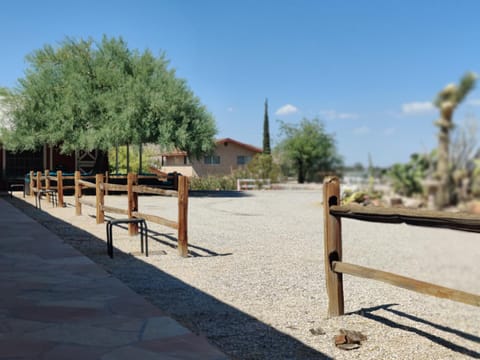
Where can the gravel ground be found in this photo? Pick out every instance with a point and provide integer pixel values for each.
(254, 283)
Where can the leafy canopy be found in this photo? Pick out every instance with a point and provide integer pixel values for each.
(96, 95)
(309, 149)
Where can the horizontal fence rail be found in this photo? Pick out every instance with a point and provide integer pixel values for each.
(438, 219)
(143, 189)
(156, 219)
(335, 267)
(406, 283)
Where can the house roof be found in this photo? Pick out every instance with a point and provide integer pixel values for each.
(217, 142)
(174, 153)
(238, 143)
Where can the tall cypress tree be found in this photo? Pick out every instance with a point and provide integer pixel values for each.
(266, 131)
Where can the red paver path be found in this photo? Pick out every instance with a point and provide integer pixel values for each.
(57, 304)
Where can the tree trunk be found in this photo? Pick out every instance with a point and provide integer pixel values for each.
(100, 165)
(443, 172)
(301, 172)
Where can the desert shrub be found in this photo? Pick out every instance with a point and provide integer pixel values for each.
(214, 183)
(407, 178)
(262, 166)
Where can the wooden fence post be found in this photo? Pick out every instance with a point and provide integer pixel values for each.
(39, 180)
(47, 179)
(31, 192)
(99, 196)
(333, 246)
(78, 194)
(183, 216)
(175, 180)
(105, 191)
(132, 202)
(60, 188)
(47, 183)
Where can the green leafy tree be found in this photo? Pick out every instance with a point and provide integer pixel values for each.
(262, 166)
(6, 105)
(447, 101)
(119, 155)
(309, 149)
(266, 131)
(85, 95)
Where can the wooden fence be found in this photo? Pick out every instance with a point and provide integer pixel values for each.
(133, 189)
(57, 181)
(47, 181)
(252, 184)
(335, 267)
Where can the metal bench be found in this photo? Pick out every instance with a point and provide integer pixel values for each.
(49, 192)
(143, 229)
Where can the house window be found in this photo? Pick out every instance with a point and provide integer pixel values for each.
(212, 160)
(243, 160)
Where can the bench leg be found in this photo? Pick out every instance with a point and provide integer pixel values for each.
(38, 198)
(109, 240)
(141, 236)
(146, 238)
(144, 232)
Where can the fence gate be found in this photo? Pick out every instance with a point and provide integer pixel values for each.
(85, 160)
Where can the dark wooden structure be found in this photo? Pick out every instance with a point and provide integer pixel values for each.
(15, 166)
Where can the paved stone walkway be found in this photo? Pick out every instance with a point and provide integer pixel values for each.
(57, 304)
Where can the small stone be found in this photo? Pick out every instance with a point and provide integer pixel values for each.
(317, 331)
(349, 339)
(353, 336)
(348, 346)
(340, 339)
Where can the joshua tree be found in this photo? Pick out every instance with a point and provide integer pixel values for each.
(266, 131)
(446, 101)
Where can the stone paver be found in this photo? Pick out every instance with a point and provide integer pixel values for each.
(57, 304)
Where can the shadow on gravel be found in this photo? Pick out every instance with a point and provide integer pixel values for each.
(368, 313)
(193, 250)
(237, 334)
(218, 194)
(171, 241)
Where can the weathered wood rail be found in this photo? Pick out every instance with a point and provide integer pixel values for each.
(335, 267)
(44, 181)
(48, 180)
(133, 189)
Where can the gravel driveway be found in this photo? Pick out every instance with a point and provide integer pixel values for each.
(254, 283)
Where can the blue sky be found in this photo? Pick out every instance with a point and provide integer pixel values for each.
(368, 69)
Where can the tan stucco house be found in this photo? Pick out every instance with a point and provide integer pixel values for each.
(229, 155)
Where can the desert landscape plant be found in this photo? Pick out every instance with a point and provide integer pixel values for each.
(447, 101)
